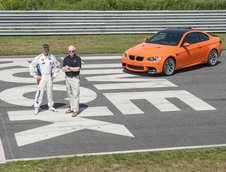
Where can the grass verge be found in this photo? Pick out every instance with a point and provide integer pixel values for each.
(86, 44)
(213, 159)
(112, 4)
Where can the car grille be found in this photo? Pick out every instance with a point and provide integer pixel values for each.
(131, 57)
(136, 67)
(138, 58)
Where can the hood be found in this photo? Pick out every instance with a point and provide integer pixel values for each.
(148, 49)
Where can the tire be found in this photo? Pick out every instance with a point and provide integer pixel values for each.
(169, 67)
(212, 58)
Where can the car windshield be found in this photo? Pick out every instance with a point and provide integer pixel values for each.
(165, 38)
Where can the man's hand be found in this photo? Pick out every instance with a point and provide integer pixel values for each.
(53, 77)
(38, 77)
(66, 68)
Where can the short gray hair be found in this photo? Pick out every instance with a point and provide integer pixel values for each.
(71, 47)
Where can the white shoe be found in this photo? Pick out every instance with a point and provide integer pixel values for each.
(36, 111)
(53, 109)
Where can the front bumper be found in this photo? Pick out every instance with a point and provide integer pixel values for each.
(144, 66)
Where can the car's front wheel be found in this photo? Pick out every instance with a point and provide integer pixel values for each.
(169, 67)
(212, 58)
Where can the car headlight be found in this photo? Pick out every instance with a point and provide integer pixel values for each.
(125, 55)
(154, 59)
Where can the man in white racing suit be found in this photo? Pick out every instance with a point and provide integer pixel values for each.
(44, 68)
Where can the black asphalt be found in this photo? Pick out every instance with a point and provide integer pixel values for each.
(152, 130)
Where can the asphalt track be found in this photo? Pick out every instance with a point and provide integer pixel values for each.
(120, 112)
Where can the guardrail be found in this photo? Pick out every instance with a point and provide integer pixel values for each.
(107, 22)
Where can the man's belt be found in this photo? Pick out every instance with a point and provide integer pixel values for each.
(46, 74)
(71, 76)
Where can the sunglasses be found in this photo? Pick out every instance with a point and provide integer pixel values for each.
(71, 51)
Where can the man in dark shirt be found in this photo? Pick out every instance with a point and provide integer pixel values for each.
(71, 67)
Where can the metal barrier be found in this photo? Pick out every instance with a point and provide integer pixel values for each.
(107, 22)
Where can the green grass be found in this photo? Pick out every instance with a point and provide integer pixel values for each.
(213, 159)
(112, 4)
(86, 44)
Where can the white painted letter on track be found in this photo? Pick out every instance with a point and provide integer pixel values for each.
(122, 100)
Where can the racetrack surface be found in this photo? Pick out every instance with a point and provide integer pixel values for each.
(120, 111)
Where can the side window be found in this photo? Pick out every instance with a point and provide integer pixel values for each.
(203, 37)
(191, 38)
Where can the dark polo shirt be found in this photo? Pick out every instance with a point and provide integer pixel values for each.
(75, 61)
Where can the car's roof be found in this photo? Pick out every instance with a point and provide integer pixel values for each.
(177, 30)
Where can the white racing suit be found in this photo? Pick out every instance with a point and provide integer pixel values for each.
(46, 66)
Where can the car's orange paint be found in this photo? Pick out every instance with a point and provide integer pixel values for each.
(184, 55)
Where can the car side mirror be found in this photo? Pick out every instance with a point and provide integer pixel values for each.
(145, 39)
(186, 44)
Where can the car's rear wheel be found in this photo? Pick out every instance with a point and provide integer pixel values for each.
(212, 58)
(169, 67)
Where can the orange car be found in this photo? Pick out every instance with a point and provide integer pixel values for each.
(173, 49)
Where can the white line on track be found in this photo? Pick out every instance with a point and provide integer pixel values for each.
(2, 153)
(98, 66)
(124, 152)
(96, 57)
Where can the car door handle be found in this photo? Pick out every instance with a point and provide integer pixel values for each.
(199, 46)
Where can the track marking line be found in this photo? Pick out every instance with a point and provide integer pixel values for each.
(2, 153)
(123, 152)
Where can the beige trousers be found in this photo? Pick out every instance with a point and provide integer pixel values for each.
(73, 92)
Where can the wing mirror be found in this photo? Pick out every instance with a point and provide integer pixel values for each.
(186, 44)
(145, 39)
